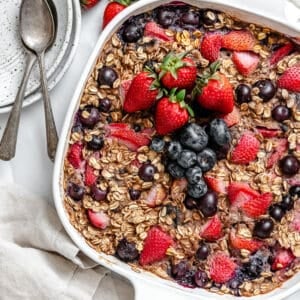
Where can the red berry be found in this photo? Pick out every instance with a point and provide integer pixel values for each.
(88, 3)
(268, 132)
(283, 258)
(75, 155)
(234, 193)
(156, 195)
(245, 62)
(290, 79)
(211, 46)
(90, 176)
(111, 10)
(156, 245)
(215, 184)
(153, 30)
(212, 229)
(238, 242)
(279, 150)
(280, 53)
(232, 118)
(98, 219)
(238, 40)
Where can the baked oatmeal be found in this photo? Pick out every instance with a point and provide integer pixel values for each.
(184, 154)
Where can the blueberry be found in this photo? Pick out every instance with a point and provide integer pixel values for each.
(208, 204)
(131, 33)
(96, 143)
(183, 274)
(287, 202)
(127, 251)
(157, 144)
(201, 278)
(267, 89)
(190, 203)
(281, 113)
(289, 165)
(197, 190)
(75, 191)
(134, 194)
(221, 151)
(263, 228)
(203, 251)
(243, 93)
(190, 18)
(257, 264)
(206, 159)
(147, 171)
(209, 17)
(295, 191)
(187, 158)
(98, 194)
(137, 127)
(165, 17)
(194, 137)
(173, 150)
(107, 76)
(277, 212)
(89, 116)
(175, 170)
(219, 133)
(104, 105)
(193, 175)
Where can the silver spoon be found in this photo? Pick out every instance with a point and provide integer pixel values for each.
(37, 29)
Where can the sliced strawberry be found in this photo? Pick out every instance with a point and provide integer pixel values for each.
(124, 87)
(127, 136)
(215, 184)
(257, 206)
(290, 79)
(212, 229)
(237, 187)
(268, 132)
(75, 155)
(232, 118)
(90, 176)
(221, 268)
(295, 180)
(283, 258)
(238, 40)
(156, 245)
(245, 62)
(153, 30)
(238, 242)
(98, 219)
(246, 149)
(211, 46)
(178, 186)
(156, 195)
(281, 53)
(276, 155)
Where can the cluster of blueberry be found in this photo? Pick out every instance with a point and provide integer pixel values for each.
(194, 151)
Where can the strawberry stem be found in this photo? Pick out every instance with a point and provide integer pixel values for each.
(179, 97)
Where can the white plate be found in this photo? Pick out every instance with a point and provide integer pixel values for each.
(12, 54)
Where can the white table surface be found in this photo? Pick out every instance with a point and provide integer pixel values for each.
(31, 167)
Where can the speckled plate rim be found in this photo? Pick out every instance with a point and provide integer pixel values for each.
(146, 285)
(64, 64)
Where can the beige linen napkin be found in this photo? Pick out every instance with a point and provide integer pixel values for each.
(39, 261)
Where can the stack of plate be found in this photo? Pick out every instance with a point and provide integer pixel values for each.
(13, 55)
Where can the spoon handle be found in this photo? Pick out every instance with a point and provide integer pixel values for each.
(52, 138)
(9, 138)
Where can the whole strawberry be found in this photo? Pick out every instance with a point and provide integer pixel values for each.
(290, 79)
(171, 113)
(214, 91)
(142, 93)
(112, 9)
(178, 71)
(88, 3)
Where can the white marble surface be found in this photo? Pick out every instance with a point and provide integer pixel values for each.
(31, 167)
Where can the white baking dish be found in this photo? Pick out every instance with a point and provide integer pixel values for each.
(148, 286)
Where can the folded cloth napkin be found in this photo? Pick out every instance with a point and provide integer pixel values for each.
(39, 261)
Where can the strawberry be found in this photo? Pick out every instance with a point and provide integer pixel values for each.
(236, 188)
(88, 3)
(215, 184)
(246, 149)
(75, 155)
(211, 46)
(245, 62)
(156, 195)
(112, 9)
(268, 132)
(98, 219)
(290, 79)
(212, 229)
(156, 245)
(124, 87)
(238, 40)
(276, 155)
(215, 91)
(221, 268)
(142, 92)
(171, 113)
(257, 206)
(238, 242)
(280, 53)
(178, 71)
(232, 118)
(127, 136)
(283, 258)
(90, 176)
(153, 30)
